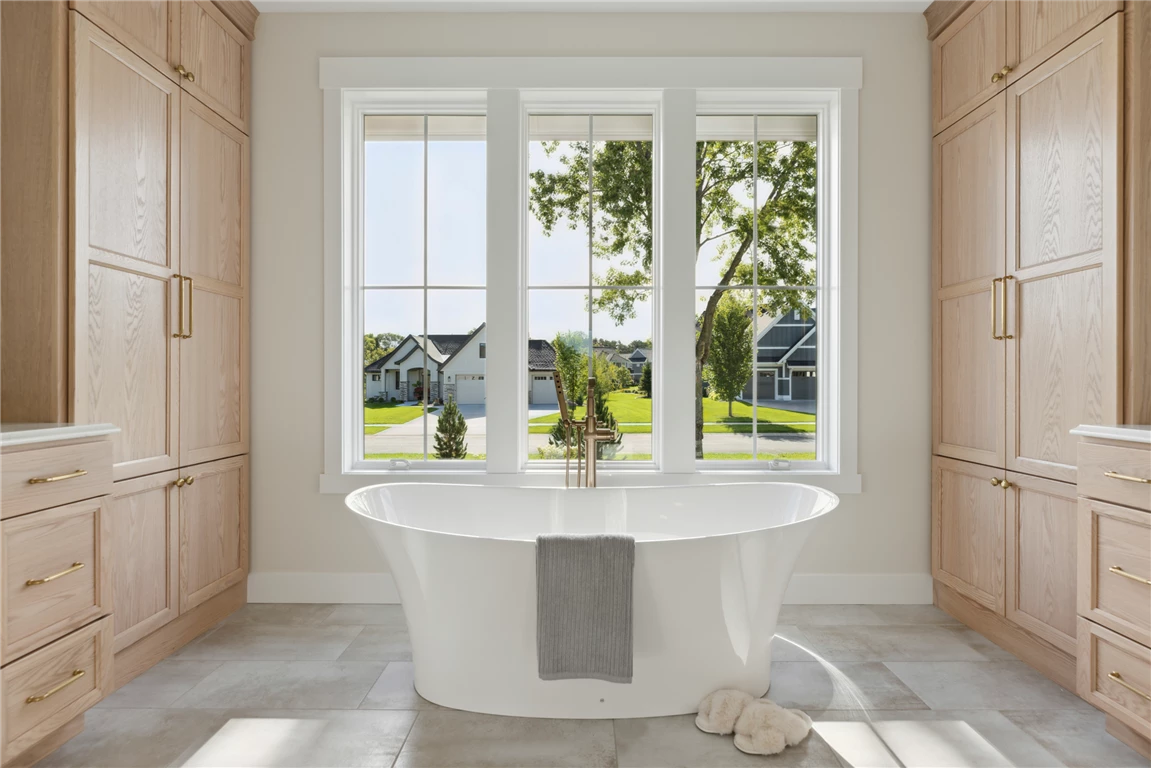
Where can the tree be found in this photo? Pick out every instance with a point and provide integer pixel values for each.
(451, 429)
(729, 364)
(571, 364)
(379, 344)
(725, 177)
(645, 380)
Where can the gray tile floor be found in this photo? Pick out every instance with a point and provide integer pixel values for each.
(331, 686)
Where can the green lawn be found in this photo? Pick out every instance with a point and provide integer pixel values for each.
(708, 429)
(631, 408)
(793, 456)
(416, 456)
(373, 430)
(391, 413)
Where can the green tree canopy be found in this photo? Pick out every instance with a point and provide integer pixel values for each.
(729, 364)
(376, 345)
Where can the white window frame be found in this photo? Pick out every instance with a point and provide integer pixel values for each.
(503, 88)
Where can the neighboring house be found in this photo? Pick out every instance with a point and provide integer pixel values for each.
(785, 358)
(455, 366)
(612, 355)
(636, 360)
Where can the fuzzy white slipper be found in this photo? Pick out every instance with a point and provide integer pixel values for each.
(719, 710)
(765, 728)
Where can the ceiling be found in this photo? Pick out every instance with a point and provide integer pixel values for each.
(596, 6)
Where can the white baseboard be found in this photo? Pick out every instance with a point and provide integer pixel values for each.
(805, 588)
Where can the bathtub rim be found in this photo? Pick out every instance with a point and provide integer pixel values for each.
(831, 504)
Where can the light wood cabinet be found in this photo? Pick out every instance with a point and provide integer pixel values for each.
(968, 246)
(125, 119)
(966, 61)
(968, 507)
(1063, 295)
(217, 56)
(149, 28)
(143, 521)
(1115, 675)
(1041, 550)
(213, 529)
(1036, 29)
(214, 253)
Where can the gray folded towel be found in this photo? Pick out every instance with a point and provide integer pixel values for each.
(584, 606)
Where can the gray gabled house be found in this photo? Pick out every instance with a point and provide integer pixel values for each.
(785, 358)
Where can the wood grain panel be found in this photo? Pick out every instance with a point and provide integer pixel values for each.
(150, 28)
(1137, 203)
(18, 496)
(1064, 300)
(34, 251)
(125, 213)
(964, 57)
(969, 379)
(1113, 536)
(1036, 29)
(1132, 460)
(213, 530)
(1041, 550)
(43, 544)
(941, 13)
(968, 514)
(242, 13)
(215, 162)
(218, 54)
(214, 381)
(26, 723)
(1102, 652)
(144, 520)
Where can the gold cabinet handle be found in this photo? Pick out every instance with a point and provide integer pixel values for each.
(995, 481)
(189, 480)
(180, 482)
(76, 675)
(1003, 309)
(1128, 478)
(1004, 483)
(57, 478)
(187, 75)
(1119, 679)
(180, 312)
(1118, 571)
(34, 582)
(191, 314)
(994, 301)
(1001, 74)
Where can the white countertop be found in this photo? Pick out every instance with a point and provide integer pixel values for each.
(26, 434)
(1131, 433)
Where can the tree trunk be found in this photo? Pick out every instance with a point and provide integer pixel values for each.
(698, 409)
(729, 413)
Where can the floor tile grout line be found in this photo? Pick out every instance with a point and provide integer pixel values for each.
(407, 735)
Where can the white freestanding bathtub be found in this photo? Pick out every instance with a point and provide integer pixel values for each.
(712, 563)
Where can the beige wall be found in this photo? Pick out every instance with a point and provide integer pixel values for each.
(883, 531)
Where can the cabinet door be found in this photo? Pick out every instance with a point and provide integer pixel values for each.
(968, 402)
(216, 56)
(967, 528)
(144, 528)
(125, 120)
(150, 28)
(214, 252)
(1036, 29)
(1041, 554)
(213, 529)
(965, 61)
(1063, 294)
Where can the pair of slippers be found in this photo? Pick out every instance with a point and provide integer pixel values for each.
(761, 727)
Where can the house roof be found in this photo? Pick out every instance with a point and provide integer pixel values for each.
(787, 339)
(445, 346)
(644, 352)
(541, 355)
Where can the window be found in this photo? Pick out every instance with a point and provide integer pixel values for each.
(590, 273)
(601, 227)
(424, 268)
(757, 286)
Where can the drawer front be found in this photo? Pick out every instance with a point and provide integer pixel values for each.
(54, 575)
(1115, 568)
(46, 689)
(1114, 674)
(1115, 473)
(39, 478)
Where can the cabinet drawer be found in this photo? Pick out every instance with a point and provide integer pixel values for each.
(1115, 568)
(38, 478)
(1119, 474)
(46, 689)
(54, 575)
(1114, 674)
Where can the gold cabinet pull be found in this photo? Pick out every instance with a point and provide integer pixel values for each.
(76, 675)
(994, 301)
(57, 478)
(1119, 679)
(180, 312)
(1003, 309)
(1128, 478)
(189, 480)
(995, 481)
(191, 314)
(1118, 571)
(1004, 483)
(1001, 74)
(180, 482)
(35, 582)
(184, 73)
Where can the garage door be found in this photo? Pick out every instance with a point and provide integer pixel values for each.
(470, 388)
(543, 390)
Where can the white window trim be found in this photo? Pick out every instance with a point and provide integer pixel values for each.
(500, 87)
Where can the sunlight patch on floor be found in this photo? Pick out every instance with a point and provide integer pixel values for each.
(254, 742)
(911, 744)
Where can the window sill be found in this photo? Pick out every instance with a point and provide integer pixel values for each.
(341, 484)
